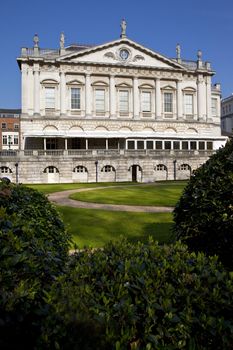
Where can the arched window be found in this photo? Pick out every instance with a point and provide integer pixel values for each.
(5, 170)
(51, 170)
(161, 167)
(108, 169)
(184, 167)
(80, 169)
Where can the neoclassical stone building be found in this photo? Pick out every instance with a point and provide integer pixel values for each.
(114, 112)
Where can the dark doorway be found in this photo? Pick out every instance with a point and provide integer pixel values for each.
(134, 173)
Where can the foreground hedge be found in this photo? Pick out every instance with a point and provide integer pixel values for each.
(140, 296)
(204, 214)
(33, 252)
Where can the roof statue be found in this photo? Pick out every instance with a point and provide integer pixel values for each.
(178, 51)
(62, 40)
(36, 40)
(123, 28)
(199, 55)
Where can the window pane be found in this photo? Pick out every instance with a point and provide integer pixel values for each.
(201, 145)
(158, 144)
(176, 144)
(146, 101)
(140, 145)
(49, 97)
(130, 144)
(214, 106)
(124, 101)
(4, 139)
(193, 145)
(16, 140)
(168, 102)
(209, 145)
(149, 144)
(75, 98)
(167, 144)
(188, 104)
(100, 100)
(184, 144)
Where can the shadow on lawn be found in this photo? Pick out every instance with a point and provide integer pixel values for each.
(159, 231)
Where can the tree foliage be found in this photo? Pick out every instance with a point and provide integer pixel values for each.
(140, 296)
(204, 214)
(33, 251)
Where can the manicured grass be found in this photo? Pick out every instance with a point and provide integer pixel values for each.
(50, 188)
(156, 194)
(94, 228)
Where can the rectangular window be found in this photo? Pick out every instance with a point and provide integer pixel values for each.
(209, 145)
(140, 144)
(75, 98)
(131, 145)
(193, 145)
(4, 125)
(149, 144)
(16, 126)
(158, 144)
(124, 101)
(201, 145)
(188, 104)
(146, 101)
(4, 139)
(176, 144)
(168, 144)
(185, 145)
(214, 106)
(50, 97)
(168, 97)
(100, 100)
(16, 140)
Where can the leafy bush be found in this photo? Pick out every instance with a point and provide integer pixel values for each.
(140, 296)
(204, 214)
(33, 251)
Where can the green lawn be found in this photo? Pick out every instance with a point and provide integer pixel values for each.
(94, 228)
(156, 194)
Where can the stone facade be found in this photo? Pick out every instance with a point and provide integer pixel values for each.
(113, 112)
(227, 115)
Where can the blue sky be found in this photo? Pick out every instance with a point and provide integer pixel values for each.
(156, 24)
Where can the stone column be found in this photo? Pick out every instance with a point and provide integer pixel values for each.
(106, 144)
(179, 101)
(36, 89)
(88, 95)
(44, 144)
(200, 97)
(65, 144)
(86, 143)
(208, 99)
(158, 112)
(24, 89)
(112, 94)
(62, 93)
(135, 98)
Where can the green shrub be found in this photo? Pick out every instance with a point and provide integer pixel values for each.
(204, 214)
(33, 251)
(140, 296)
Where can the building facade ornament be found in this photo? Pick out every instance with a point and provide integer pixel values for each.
(123, 28)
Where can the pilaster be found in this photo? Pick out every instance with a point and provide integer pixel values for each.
(62, 93)
(36, 72)
(24, 89)
(88, 95)
(179, 103)
(200, 97)
(208, 99)
(135, 98)
(158, 99)
(112, 97)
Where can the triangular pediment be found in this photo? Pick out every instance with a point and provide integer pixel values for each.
(123, 52)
